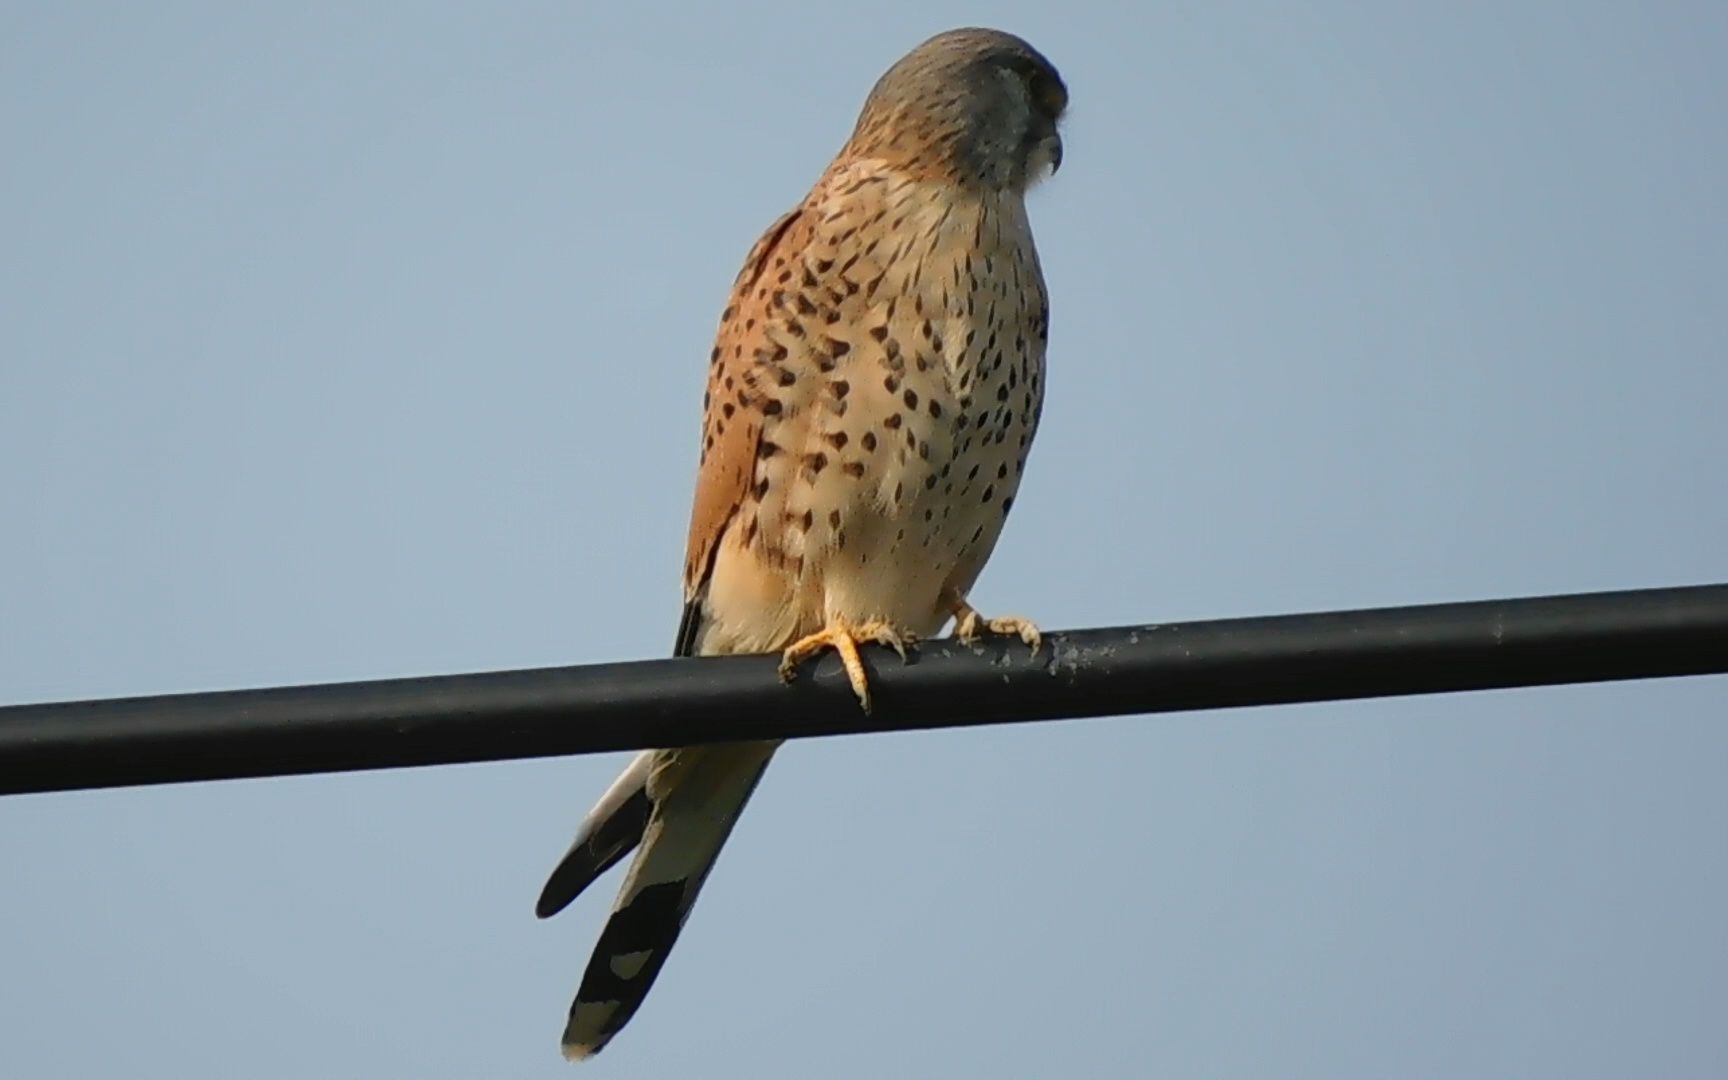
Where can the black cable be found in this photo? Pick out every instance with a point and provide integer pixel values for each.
(1137, 669)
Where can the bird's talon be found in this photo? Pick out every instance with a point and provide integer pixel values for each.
(969, 627)
(845, 641)
(883, 633)
(1024, 629)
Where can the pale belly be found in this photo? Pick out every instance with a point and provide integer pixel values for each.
(899, 542)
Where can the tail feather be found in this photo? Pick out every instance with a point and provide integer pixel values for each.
(608, 833)
(695, 796)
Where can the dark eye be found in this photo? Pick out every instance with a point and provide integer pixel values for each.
(1048, 93)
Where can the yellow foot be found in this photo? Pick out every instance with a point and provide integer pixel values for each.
(969, 626)
(845, 641)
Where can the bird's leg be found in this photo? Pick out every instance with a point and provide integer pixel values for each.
(969, 626)
(845, 640)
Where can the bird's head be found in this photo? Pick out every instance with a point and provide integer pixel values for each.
(977, 106)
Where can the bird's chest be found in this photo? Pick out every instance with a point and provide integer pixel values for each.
(958, 414)
(901, 435)
(944, 385)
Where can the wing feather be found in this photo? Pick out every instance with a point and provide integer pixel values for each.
(731, 426)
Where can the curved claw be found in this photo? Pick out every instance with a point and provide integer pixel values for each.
(970, 626)
(844, 641)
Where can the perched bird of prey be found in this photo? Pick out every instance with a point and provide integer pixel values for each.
(872, 395)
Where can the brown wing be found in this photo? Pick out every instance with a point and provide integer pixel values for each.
(731, 426)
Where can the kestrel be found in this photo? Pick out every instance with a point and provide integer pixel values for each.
(872, 394)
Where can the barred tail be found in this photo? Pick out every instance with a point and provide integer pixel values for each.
(691, 799)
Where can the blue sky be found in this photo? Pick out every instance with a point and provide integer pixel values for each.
(350, 341)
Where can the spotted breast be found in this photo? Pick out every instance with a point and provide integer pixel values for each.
(898, 374)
